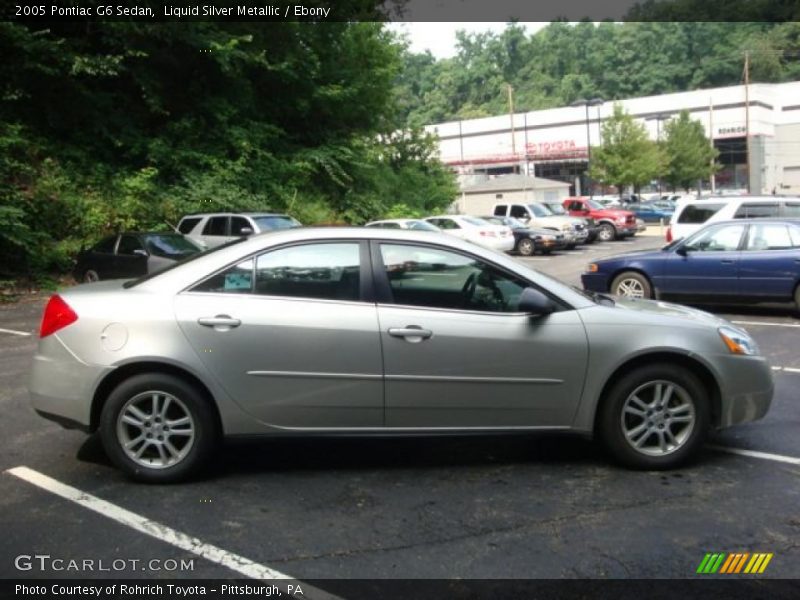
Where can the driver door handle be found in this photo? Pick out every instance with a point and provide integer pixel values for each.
(411, 333)
(221, 321)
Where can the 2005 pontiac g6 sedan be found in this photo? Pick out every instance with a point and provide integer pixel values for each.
(367, 331)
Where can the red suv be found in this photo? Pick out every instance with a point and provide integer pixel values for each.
(612, 223)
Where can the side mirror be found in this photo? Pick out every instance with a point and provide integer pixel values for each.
(246, 231)
(535, 302)
(140, 252)
(681, 251)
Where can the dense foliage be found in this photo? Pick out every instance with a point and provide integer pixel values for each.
(115, 125)
(564, 62)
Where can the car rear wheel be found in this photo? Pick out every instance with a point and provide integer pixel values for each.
(607, 232)
(632, 285)
(90, 276)
(655, 417)
(158, 428)
(797, 298)
(526, 247)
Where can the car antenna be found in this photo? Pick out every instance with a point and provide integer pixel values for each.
(171, 226)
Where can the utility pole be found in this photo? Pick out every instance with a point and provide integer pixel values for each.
(747, 116)
(711, 139)
(511, 115)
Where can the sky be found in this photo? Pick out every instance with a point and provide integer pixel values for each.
(440, 37)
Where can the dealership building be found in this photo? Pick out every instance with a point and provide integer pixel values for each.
(755, 128)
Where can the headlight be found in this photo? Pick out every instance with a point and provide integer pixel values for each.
(592, 268)
(738, 342)
(566, 227)
(620, 219)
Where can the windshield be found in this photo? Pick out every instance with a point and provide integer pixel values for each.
(595, 205)
(170, 245)
(276, 222)
(422, 226)
(135, 282)
(514, 223)
(556, 209)
(540, 210)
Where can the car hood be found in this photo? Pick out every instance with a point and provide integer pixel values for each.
(611, 213)
(630, 256)
(667, 309)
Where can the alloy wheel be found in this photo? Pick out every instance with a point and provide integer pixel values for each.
(630, 288)
(658, 417)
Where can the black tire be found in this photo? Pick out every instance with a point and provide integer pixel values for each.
(797, 298)
(610, 425)
(632, 281)
(607, 232)
(526, 247)
(203, 423)
(90, 276)
(571, 246)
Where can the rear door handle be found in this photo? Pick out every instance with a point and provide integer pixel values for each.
(220, 322)
(412, 333)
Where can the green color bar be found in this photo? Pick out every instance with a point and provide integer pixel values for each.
(702, 566)
(718, 564)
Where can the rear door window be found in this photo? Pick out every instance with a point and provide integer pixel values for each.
(519, 212)
(186, 225)
(128, 244)
(106, 246)
(753, 210)
(768, 237)
(500, 210)
(698, 213)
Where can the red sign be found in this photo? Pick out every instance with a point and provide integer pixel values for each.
(557, 149)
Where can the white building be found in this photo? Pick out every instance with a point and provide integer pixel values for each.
(480, 198)
(552, 143)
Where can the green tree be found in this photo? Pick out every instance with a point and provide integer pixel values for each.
(688, 152)
(627, 156)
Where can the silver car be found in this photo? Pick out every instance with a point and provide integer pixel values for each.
(373, 331)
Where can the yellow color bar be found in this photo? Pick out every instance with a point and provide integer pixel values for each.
(766, 562)
(754, 562)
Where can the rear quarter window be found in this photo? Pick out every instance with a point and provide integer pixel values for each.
(698, 213)
(756, 210)
(186, 225)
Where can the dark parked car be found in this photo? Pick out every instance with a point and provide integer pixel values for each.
(528, 240)
(752, 260)
(128, 255)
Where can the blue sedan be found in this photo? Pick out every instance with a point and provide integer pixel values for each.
(650, 212)
(756, 260)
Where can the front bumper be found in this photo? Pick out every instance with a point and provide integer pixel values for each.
(595, 282)
(746, 388)
(61, 386)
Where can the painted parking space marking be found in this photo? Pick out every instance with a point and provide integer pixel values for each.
(786, 369)
(766, 323)
(15, 332)
(756, 454)
(217, 555)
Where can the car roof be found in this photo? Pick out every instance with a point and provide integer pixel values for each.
(235, 214)
(757, 221)
(731, 198)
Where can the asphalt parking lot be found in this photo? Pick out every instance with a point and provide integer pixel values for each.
(462, 507)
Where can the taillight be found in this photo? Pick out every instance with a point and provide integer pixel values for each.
(57, 315)
(486, 233)
(669, 233)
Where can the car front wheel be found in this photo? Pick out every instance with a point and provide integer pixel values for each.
(606, 233)
(632, 285)
(90, 276)
(158, 428)
(655, 417)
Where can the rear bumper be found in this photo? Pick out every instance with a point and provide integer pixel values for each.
(61, 386)
(505, 244)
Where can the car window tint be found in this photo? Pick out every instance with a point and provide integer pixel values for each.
(791, 209)
(447, 224)
(752, 210)
(186, 225)
(216, 226)
(237, 279)
(519, 212)
(698, 213)
(328, 271)
(716, 239)
(429, 277)
(169, 245)
(106, 245)
(390, 225)
(500, 210)
(421, 226)
(129, 243)
(239, 223)
(768, 237)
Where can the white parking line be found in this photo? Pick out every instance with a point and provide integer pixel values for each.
(786, 369)
(755, 454)
(768, 324)
(161, 532)
(14, 332)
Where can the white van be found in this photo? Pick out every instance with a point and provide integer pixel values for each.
(692, 213)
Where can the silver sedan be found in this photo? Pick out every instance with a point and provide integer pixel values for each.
(370, 331)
